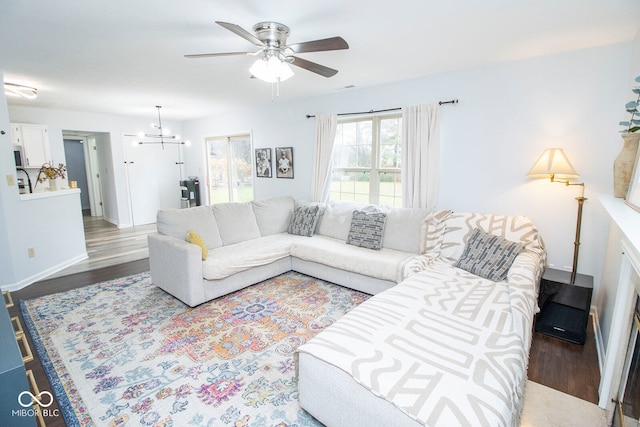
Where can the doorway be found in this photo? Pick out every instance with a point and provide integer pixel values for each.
(82, 160)
(77, 170)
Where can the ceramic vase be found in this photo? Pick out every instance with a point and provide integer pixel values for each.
(624, 162)
(53, 185)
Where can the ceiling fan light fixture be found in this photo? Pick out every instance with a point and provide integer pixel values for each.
(271, 69)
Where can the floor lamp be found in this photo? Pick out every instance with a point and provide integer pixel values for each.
(553, 164)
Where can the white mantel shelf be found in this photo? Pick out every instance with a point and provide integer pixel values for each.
(625, 217)
(47, 194)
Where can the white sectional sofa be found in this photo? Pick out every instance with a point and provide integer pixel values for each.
(443, 341)
(249, 242)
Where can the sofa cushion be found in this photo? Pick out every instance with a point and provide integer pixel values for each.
(193, 237)
(304, 220)
(459, 227)
(432, 231)
(336, 220)
(367, 229)
(236, 222)
(177, 222)
(385, 264)
(228, 260)
(401, 231)
(273, 215)
(489, 256)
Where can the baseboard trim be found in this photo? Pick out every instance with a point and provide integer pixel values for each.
(12, 287)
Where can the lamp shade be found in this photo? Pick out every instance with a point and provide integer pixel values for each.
(553, 163)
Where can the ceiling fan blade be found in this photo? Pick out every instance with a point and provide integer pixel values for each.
(236, 29)
(206, 55)
(313, 67)
(333, 43)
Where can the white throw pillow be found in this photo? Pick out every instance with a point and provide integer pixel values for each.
(236, 222)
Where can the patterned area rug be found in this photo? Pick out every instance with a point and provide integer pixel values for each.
(124, 352)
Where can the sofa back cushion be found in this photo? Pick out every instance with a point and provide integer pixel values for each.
(336, 220)
(236, 222)
(432, 231)
(402, 229)
(177, 222)
(273, 215)
(460, 226)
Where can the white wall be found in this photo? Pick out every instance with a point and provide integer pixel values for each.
(605, 299)
(52, 226)
(507, 115)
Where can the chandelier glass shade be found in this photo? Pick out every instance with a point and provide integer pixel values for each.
(271, 69)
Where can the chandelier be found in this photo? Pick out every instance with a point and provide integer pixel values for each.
(162, 137)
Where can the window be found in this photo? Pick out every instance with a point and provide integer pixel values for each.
(230, 169)
(366, 161)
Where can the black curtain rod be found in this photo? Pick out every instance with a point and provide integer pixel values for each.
(453, 101)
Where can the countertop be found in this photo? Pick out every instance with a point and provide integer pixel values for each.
(47, 194)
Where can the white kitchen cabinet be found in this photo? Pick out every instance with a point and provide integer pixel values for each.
(34, 141)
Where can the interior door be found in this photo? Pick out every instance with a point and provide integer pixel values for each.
(144, 192)
(153, 176)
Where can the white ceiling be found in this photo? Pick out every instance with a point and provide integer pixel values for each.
(126, 56)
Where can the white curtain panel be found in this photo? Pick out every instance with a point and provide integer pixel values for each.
(420, 155)
(326, 125)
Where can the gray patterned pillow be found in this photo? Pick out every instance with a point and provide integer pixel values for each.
(304, 220)
(366, 229)
(489, 256)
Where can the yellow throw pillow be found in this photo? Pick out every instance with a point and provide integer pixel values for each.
(193, 237)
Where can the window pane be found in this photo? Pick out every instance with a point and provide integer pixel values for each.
(390, 189)
(352, 146)
(218, 171)
(351, 185)
(241, 170)
(364, 140)
(390, 148)
(230, 169)
(355, 158)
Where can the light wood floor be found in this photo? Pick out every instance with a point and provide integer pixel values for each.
(109, 245)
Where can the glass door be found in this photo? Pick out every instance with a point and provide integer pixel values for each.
(230, 169)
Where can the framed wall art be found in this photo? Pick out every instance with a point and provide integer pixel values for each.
(284, 162)
(263, 163)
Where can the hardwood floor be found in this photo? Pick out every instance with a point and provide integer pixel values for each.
(570, 368)
(109, 245)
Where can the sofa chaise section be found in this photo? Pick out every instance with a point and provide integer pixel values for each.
(444, 347)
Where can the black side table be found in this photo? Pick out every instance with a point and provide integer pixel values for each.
(564, 307)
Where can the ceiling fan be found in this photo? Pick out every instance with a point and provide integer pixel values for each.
(271, 39)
